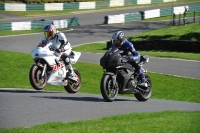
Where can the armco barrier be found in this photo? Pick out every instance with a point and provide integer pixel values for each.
(5, 26)
(122, 18)
(166, 12)
(36, 24)
(194, 8)
(133, 17)
(73, 22)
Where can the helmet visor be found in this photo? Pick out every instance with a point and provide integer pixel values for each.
(117, 43)
(47, 34)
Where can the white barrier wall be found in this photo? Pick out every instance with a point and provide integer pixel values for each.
(180, 9)
(15, 7)
(87, 5)
(116, 19)
(21, 26)
(53, 6)
(60, 23)
(143, 1)
(152, 13)
(116, 3)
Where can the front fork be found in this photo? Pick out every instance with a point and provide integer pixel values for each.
(114, 77)
(44, 67)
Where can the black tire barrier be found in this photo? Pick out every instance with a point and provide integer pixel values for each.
(142, 15)
(106, 20)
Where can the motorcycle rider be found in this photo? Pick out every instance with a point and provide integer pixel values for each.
(60, 45)
(119, 41)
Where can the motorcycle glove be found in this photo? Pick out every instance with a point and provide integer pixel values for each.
(51, 48)
(60, 50)
(133, 58)
(44, 42)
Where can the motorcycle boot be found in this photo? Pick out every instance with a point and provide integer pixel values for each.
(71, 74)
(143, 82)
(142, 79)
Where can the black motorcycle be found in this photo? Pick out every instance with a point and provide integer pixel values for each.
(120, 77)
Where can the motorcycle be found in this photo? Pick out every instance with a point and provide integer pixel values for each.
(48, 68)
(120, 77)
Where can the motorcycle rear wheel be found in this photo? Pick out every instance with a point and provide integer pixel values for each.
(142, 95)
(37, 82)
(72, 87)
(107, 91)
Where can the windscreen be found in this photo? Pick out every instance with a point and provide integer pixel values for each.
(111, 52)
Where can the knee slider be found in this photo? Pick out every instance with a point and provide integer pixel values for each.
(67, 61)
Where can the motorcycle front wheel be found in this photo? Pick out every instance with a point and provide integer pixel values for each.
(145, 95)
(108, 92)
(74, 87)
(35, 77)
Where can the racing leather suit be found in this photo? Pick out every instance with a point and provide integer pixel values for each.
(133, 56)
(60, 44)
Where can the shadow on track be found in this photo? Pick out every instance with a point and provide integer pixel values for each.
(72, 97)
(85, 99)
(25, 91)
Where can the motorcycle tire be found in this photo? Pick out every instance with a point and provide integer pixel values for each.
(37, 82)
(106, 89)
(71, 87)
(142, 95)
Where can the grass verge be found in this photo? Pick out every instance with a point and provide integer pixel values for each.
(101, 48)
(40, 30)
(160, 122)
(15, 68)
(188, 32)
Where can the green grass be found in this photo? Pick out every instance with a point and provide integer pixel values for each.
(160, 122)
(101, 48)
(15, 74)
(40, 13)
(188, 32)
(40, 30)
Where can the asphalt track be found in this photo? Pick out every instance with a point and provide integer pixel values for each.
(25, 108)
(21, 107)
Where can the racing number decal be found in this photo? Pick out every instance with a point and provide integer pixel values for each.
(55, 67)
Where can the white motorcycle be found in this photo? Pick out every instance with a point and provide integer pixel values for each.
(50, 69)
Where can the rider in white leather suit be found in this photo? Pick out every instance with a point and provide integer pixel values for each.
(60, 45)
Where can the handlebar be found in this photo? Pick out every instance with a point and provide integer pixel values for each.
(125, 58)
